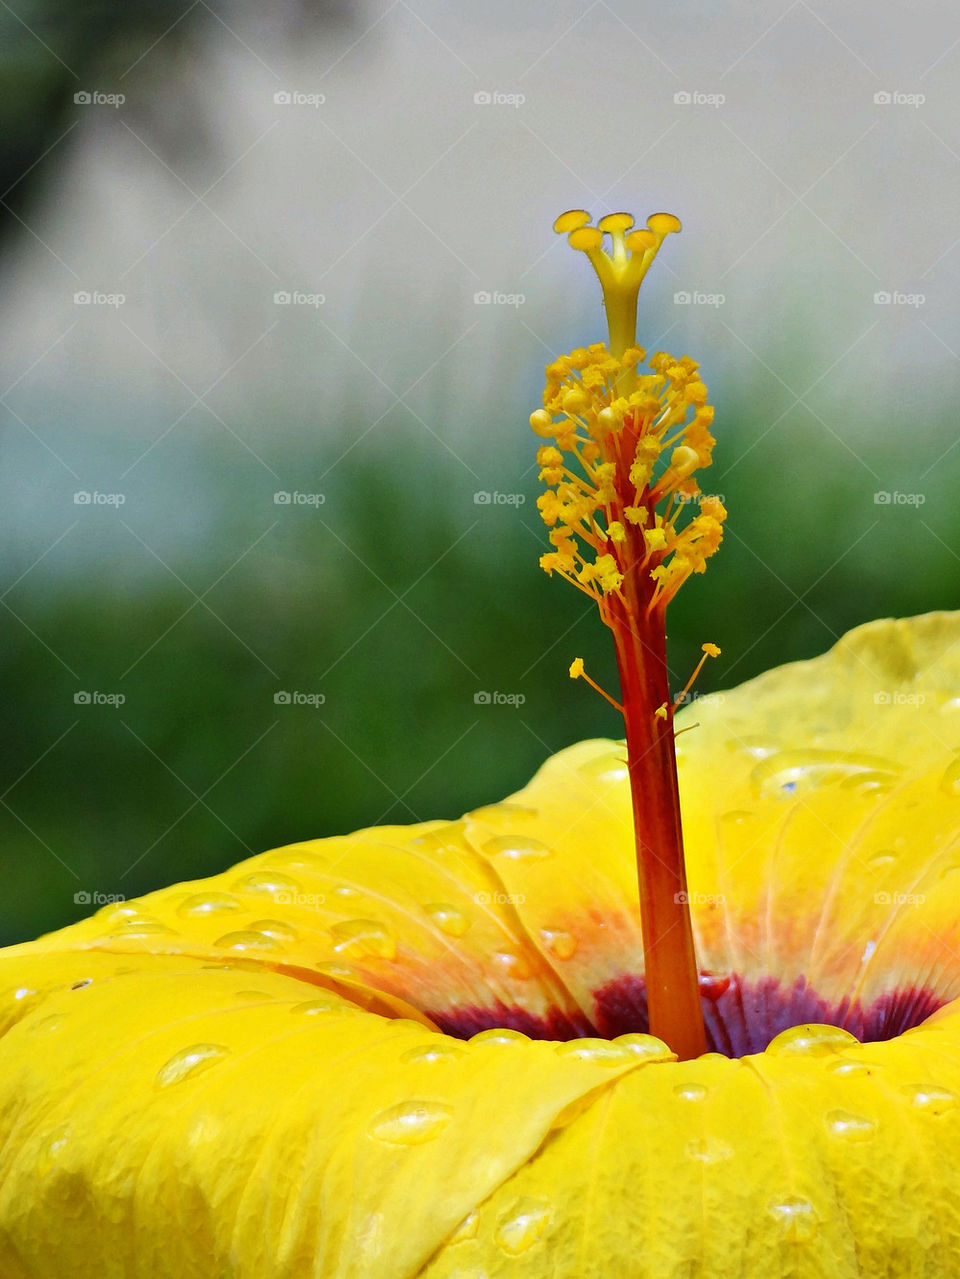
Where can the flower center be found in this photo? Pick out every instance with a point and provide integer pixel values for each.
(621, 478)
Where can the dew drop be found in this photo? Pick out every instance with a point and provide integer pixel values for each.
(709, 1150)
(880, 861)
(189, 1062)
(931, 1099)
(796, 1218)
(314, 1007)
(433, 1052)
(411, 1123)
(735, 816)
(52, 1149)
(599, 1052)
(448, 919)
(79, 985)
(357, 937)
(245, 940)
(208, 904)
(849, 1126)
(796, 772)
(275, 928)
(518, 848)
(46, 1025)
(560, 944)
(522, 1225)
(467, 1229)
(811, 1041)
(690, 1092)
(510, 966)
(495, 813)
(347, 892)
(646, 1047)
(281, 888)
(499, 1036)
(950, 781)
(254, 996)
(140, 926)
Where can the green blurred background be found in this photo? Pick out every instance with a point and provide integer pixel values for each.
(401, 196)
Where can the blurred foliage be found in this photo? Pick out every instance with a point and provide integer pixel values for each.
(436, 599)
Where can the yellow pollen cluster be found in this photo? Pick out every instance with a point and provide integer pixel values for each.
(621, 471)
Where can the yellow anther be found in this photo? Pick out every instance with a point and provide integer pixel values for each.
(571, 220)
(616, 222)
(661, 711)
(576, 668)
(642, 240)
(541, 422)
(711, 650)
(663, 223)
(577, 672)
(586, 238)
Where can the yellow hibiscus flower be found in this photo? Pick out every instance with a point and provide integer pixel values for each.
(425, 1051)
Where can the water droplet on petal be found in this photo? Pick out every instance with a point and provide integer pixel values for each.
(254, 996)
(562, 945)
(931, 1099)
(433, 1052)
(140, 926)
(857, 1067)
(275, 928)
(281, 888)
(646, 1047)
(522, 1225)
(499, 1036)
(358, 937)
(314, 1007)
(411, 1123)
(448, 919)
(208, 904)
(690, 1092)
(52, 1149)
(510, 966)
(950, 781)
(880, 861)
(709, 1150)
(518, 848)
(467, 1229)
(600, 1052)
(849, 1126)
(79, 985)
(496, 813)
(796, 1218)
(811, 1041)
(46, 1025)
(244, 940)
(189, 1062)
(346, 892)
(796, 772)
(735, 816)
